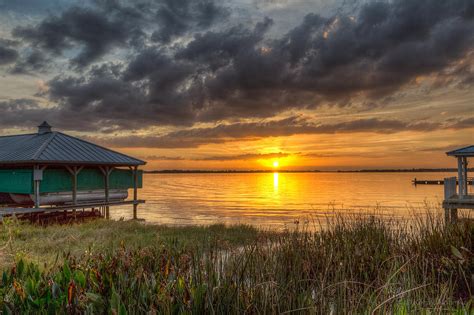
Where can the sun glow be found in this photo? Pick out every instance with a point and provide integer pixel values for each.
(278, 162)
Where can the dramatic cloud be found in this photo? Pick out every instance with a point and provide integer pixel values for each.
(21, 112)
(176, 17)
(192, 138)
(187, 73)
(94, 31)
(31, 63)
(32, 6)
(7, 54)
(238, 72)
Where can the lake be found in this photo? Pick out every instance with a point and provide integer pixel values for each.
(276, 200)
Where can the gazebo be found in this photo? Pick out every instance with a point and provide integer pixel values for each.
(460, 198)
(50, 171)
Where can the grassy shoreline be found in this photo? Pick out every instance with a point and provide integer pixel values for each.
(39, 244)
(354, 266)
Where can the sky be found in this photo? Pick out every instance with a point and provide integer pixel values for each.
(203, 84)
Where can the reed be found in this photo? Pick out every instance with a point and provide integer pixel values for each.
(355, 265)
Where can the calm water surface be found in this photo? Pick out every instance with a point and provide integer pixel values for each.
(276, 200)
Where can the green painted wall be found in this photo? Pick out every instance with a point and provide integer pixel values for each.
(56, 180)
(16, 181)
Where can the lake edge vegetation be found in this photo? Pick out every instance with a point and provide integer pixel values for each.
(353, 265)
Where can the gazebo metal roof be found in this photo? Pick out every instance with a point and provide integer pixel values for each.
(51, 147)
(466, 151)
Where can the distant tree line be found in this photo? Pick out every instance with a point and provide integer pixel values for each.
(402, 170)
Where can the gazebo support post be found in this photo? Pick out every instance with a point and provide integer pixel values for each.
(74, 171)
(465, 175)
(454, 215)
(36, 186)
(135, 191)
(107, 198)
(447, 215)
(37, 178)
(460, 178)
(106, 171)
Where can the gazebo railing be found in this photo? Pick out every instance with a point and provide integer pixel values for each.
(470, 188)
(451, 187)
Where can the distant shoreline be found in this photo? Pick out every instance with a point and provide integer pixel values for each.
(414, 170)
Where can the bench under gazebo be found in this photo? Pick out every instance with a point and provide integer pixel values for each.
(50, 171)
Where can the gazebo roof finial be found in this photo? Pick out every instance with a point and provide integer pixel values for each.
(44, 128)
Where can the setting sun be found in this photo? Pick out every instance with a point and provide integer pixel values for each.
(276, 164)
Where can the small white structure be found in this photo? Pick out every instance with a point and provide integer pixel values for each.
(460, 198)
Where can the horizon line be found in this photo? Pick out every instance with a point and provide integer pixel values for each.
(388, 170)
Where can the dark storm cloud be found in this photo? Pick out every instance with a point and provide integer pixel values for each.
(93, 30)
(387, 45)
(384, 47)
(219, 70)
(9, 42)
(27, 112)
(102, 25)
(107, 94)
(7, 54)
(33, 6)
(192, 138)
(236, 72)
(24, 113)
(90, 99)
(30, 63)
(176, 17)
(21, 112)
(217, 49)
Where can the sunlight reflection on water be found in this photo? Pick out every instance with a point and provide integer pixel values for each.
(275, 200)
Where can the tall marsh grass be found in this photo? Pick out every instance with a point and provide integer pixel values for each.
(356, 266)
